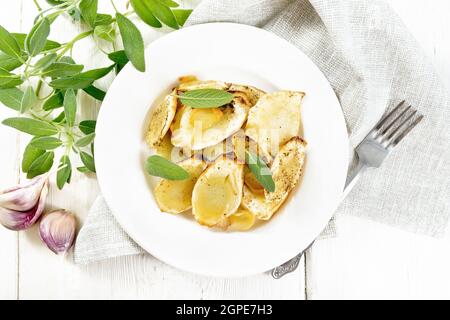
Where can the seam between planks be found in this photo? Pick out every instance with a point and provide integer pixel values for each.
(18, 264)
(306, 258)
(17, 169)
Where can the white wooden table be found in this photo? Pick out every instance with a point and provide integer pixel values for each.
(366, 260)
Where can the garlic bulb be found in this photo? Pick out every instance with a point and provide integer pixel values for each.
(22, 205)
(57, 230)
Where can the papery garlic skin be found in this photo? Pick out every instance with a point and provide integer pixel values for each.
(57, 230)
(22, 206)
(24, 196)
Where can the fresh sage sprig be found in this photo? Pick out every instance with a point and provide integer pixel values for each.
(132, 42)
(158, 12)
(42, 82)
(205, 98)
(161, 167)
(259, 168)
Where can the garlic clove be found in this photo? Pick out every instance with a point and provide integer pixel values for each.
(25, 196)
(57, 230)
(20, 220)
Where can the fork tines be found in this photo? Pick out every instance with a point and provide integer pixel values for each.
(396, 124)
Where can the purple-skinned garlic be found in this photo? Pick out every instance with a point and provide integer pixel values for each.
(22, 205)
(57, 230)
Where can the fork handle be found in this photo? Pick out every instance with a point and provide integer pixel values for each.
(352, 178)
(287, 267)
(291, 265)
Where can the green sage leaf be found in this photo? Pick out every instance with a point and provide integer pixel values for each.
(55, 101)
(88, 10)
(103, 19)
(67, 59)
(74, 82)
(62, 69)
(6, 82)
(31, 126)
(70, 106)
(259, 168)
(132, 42)
(161, 167)
(145, 13)
(36, 39)
(105, 32)
(11, 97)
(49, 44)
(64, 173)
(53, 16)
(41, 165)
(28, 100)
(205, 98)
(9, 80)
(169, 3)
(30, 154)
(88, 161)
(8, 44)
(60, 117)
(45, 61)
(46, 143)
(163, 13)
(181, 15)
(9, 63)
(87, 126)
(83, 169)
(95, 92)
(56, 2)
(95, 74)
(81, 80)
(85, 141)
(120, 58)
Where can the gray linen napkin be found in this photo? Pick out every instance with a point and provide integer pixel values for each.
(372, 62)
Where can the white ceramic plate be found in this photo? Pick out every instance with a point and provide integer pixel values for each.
(239, 54)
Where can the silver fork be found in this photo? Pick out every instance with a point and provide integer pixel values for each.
(375, 147)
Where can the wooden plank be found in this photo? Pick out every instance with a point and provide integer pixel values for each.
(8, 239)
(143, 277)
(9, 165)
(373, 261)
(45, 276)
(430, 25)
(55, 272)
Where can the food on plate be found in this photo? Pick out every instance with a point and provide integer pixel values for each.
(275, 119)
(179, 139)
(242, 143)
(230, 152)
(252, 183)
(197, 84)
(165, 147)
(250, 94)
(212, 153)
(187, 78)
(287, 168)
(174, 196)
(241, 220)
(201, 128)
(217, 193)
(161, 119)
